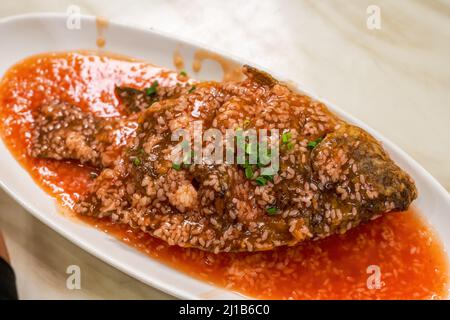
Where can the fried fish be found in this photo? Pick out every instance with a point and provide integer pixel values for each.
(332, 175)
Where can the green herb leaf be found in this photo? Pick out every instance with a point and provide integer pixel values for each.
(176, 166)
(290, 146)
(313, 144)
(151, 90)
(272, 211)
(136, 161)
(248, 172)
(192, 89)
(261, 181)
(285, 137)
(183, 73)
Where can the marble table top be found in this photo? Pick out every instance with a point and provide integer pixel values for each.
(385, 62)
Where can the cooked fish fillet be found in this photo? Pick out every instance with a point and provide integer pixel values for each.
(64, 132)
(332, 175)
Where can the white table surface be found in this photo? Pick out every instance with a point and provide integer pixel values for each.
(396, 79)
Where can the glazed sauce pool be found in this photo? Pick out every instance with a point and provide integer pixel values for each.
(395, 257)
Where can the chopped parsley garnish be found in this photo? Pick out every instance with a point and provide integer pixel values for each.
(136, 161)
(272, 211)
(286, 140)
(285, 137)
(176, 166)
(183, 73)
(192, 89)
(290, 146)
(313, 144)
(248, 172)
(152, 89)
(252, 149)
(186, 162)
(261, 181)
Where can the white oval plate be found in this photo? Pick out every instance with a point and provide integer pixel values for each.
(26, 35)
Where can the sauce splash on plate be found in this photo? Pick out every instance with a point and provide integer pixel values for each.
(395, 257)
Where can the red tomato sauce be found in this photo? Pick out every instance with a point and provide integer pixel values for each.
(395, 257)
